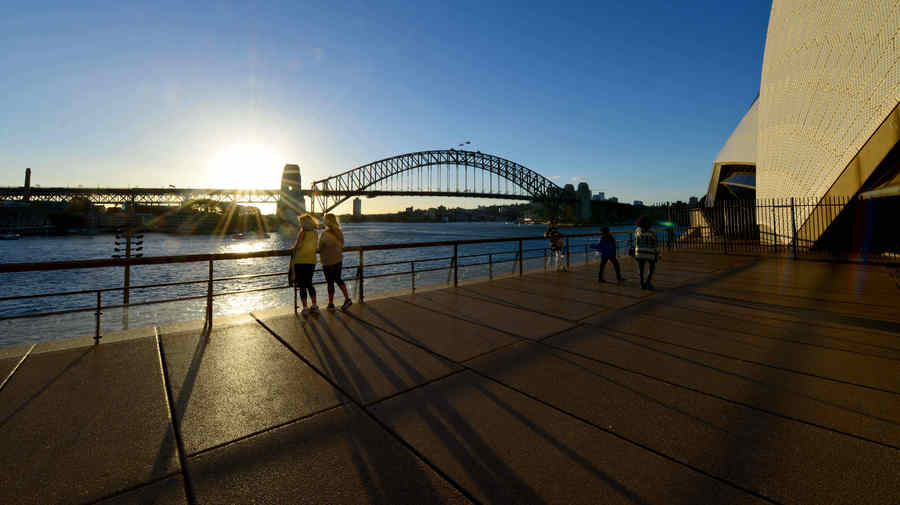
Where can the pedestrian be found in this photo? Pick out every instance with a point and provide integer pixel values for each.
(331, 253)
(303, 262)
(645, 250)
(608, 254)
(556, 245)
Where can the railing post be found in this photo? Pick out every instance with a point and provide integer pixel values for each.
(774, 231)
(568, 253)
(491, 266)
(97, 314)
(793, 228)
(209, 298)
(521, 258)
(360, 278)
(585, 254)
(456, 264)
(126, 285)
(412, 276)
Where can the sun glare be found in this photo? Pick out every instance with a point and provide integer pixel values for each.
(246, 166)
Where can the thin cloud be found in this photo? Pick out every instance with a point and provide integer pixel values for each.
(554, 177)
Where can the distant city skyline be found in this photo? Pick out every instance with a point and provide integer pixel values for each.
(635, 99)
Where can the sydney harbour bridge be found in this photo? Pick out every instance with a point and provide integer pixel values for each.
(448, 173)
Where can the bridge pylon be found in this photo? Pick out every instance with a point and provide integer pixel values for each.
(290, 201)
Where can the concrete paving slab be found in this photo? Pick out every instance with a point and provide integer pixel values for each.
(869, 371)
(517, 321)
(238, 381)
(740, 311)
(80, 424)
(365, 362)
(788, 461)
(760, 326)
(339, 456)
(547, 303)
(506, 448)
(165, 492)
(811, 308)
(448, 336)
(88, 340)
(592, 294)
(865, 413)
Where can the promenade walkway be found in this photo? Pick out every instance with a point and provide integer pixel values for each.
(740, 380)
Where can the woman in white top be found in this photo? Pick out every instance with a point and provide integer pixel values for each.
(331, 253)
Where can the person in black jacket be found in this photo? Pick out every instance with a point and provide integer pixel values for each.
(607, 249)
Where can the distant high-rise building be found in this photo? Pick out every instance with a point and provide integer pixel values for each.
(357, 207)
(614, 199)
(583, 201)
(600, 196)
(693, 201)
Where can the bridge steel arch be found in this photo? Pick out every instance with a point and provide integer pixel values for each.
(326, 194)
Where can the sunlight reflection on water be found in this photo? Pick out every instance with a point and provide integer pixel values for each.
(14, 332)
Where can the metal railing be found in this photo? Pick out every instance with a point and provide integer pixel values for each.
(673, 237)
(453, 264)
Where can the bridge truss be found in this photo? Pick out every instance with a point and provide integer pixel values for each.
(436, 173)
(139, 196)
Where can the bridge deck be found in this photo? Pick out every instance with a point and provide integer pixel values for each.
(739, 381)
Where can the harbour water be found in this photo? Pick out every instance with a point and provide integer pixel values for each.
(19, 331)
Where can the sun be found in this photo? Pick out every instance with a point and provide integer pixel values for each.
(246, 166)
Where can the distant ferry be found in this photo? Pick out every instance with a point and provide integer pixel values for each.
(10, 236)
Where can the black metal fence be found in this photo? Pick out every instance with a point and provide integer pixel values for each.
(839, 228)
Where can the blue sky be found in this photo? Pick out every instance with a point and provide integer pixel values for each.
(636, 98)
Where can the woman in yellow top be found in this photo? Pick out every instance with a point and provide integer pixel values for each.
(303, 262)
(331, 252)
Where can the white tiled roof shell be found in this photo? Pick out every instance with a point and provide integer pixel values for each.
(831, 74)
(741, 145)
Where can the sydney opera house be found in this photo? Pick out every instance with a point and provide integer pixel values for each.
(824, 127)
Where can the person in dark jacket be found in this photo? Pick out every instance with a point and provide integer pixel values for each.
(607, 249)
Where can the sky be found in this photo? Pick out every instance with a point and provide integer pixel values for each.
(635, 98)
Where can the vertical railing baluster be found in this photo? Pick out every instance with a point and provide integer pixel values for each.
(521, 258)
(412, 276)
(97, 314)
(361, 279)
(456, 261)
(209, 298)
(793, 228)
(491, 266)
(568, 253)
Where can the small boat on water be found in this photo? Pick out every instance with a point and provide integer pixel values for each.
(10, 236)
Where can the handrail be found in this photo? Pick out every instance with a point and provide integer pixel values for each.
(519, 256)
(190, 258)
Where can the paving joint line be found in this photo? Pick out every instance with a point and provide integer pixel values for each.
(725, 398)
(585, 421)
(468, 320)
(129, 489)
(176, 428)
(765, 337)
(372, 416)
(790, 322)
(743, 360)
(203, 452)
(16, 368)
